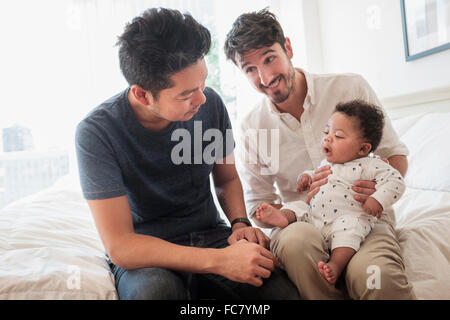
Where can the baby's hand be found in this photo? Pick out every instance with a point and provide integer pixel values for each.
(303, 183)
(373, 207)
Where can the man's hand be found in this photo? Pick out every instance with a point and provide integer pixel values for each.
(373, 207)
(247, 262)
(250, 234)
(364, 189)
(304, 182)
(320, 178)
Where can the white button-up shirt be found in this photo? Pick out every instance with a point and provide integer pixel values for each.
(273, 147)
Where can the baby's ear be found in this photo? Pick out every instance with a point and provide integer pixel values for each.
(365, 149)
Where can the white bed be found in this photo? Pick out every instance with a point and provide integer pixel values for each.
(49, 247)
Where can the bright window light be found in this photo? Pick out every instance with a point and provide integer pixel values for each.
(59, 60)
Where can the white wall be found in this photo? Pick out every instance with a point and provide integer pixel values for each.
(292, 20)
(366, 37)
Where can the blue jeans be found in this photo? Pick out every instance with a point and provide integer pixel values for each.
(165, 284)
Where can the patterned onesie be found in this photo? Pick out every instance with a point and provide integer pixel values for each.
(333, 209)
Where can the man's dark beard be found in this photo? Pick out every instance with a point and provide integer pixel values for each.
(290, 80)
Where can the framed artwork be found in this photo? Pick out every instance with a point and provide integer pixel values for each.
(426, 27)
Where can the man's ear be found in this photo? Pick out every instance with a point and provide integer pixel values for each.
(288, 48)
(365, 148)
(142, 96)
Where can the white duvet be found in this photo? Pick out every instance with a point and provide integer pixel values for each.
(423, 225)
(50, 249)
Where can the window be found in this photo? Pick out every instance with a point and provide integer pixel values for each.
(59, 61)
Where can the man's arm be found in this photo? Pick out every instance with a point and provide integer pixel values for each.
(242, 262)
(367, 188)
(389, 188)
(230, 195)
(363, 188)
(258, 187)
(400, 163)
(229, 190)
(129, 249)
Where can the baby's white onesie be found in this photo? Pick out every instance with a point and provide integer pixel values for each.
(334, 210)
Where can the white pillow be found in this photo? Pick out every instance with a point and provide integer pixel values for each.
(427, 138)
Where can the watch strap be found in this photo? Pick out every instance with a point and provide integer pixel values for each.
(243, 220)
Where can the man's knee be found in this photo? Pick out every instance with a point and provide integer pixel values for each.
(151, 284)
(377, 278)
(298, 239)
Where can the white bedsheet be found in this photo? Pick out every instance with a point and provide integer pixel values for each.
(50, 249)
(423, 228)
(423, 212)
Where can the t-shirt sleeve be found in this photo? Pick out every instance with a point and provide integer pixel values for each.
(100, 174)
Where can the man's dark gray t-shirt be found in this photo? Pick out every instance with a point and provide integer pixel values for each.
(118, 156)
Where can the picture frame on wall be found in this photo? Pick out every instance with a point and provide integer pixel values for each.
(426, 27)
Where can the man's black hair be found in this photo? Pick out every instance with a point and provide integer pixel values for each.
(159, 43)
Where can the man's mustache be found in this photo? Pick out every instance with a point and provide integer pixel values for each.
(271, 83)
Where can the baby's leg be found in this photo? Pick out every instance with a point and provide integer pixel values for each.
(346, 235)
(338, 261)
(271, 215)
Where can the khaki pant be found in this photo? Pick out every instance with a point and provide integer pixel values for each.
(376, 271)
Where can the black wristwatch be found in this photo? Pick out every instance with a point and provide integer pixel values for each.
(243, 220)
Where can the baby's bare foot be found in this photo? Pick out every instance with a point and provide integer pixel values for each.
(271, 215)
(329, 271)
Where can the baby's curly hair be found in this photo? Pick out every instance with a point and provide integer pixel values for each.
(370, 118)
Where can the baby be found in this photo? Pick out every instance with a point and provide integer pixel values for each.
(353, 132)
